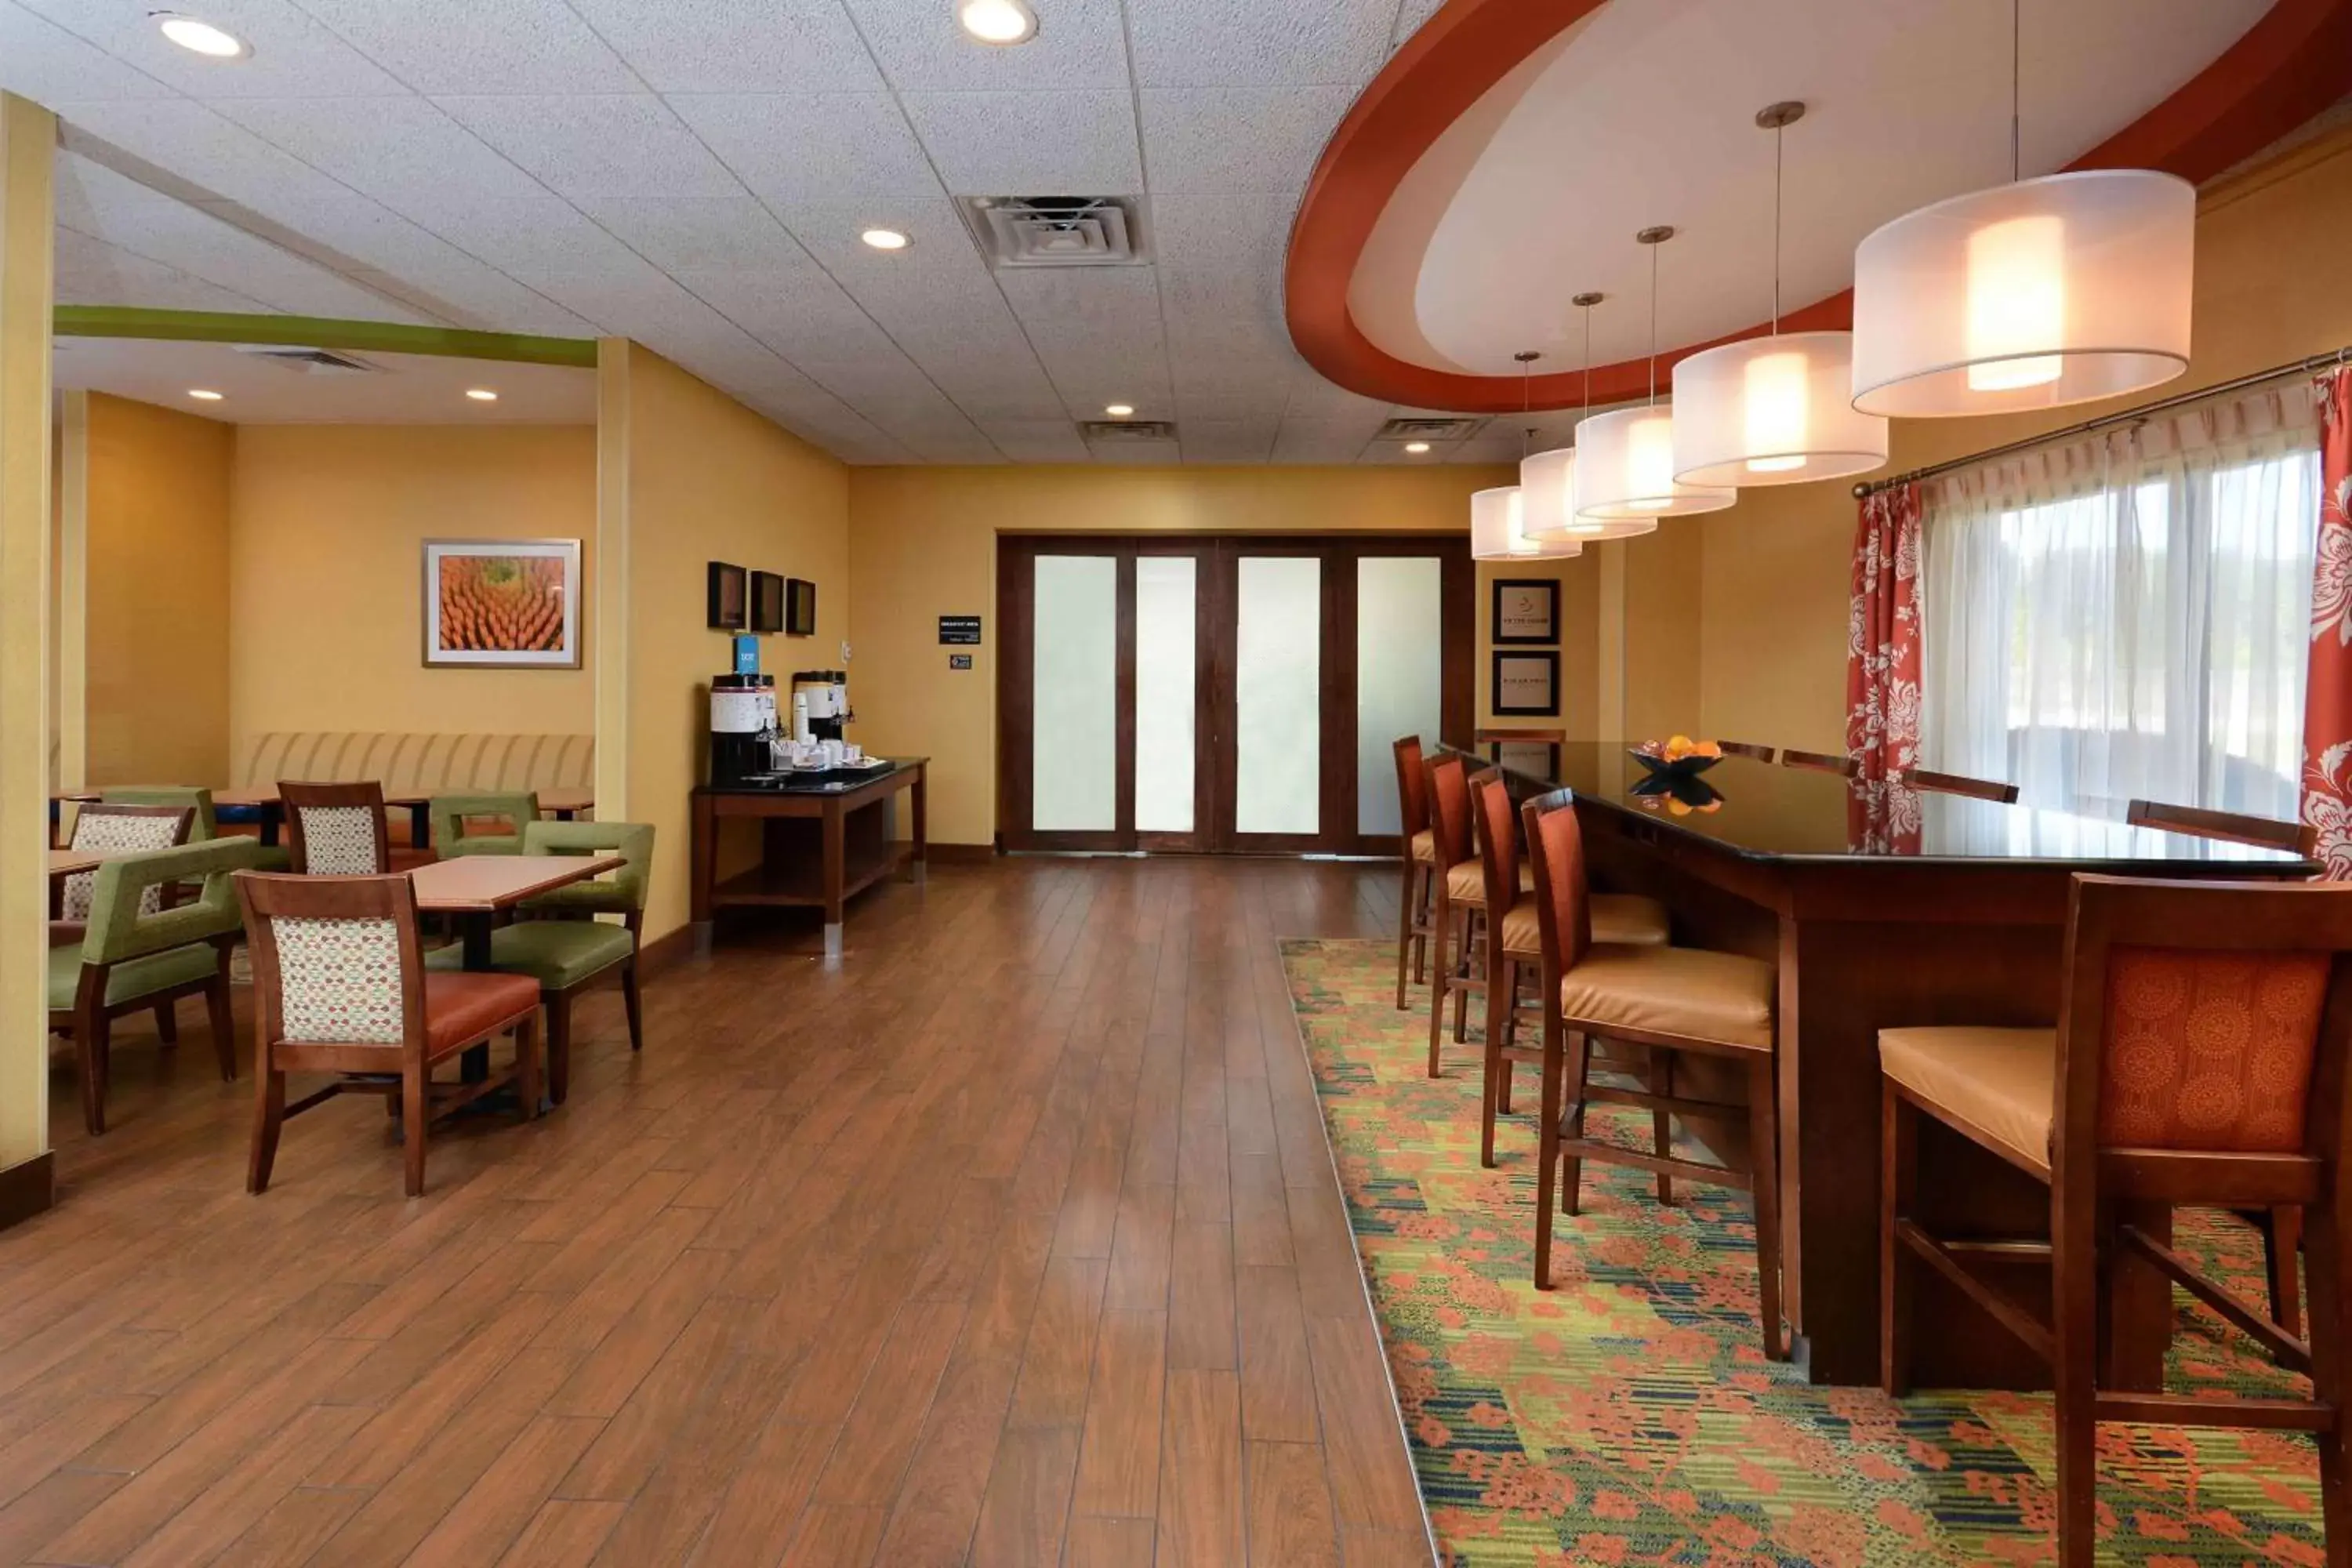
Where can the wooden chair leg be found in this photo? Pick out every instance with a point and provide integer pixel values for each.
(268, 1118)
(1439, 981)
(2074, 1291)
(1494, 1066)
(2281, 1231)
(413, 1113)
(1764, 1168)
(634, 1003)
(1548, 1146)
(89, 1052)
(2330, 1295)
(559, 1046)
(167, 1022)
(1661, 1079)
(528, 1075)
(1423, 901)
(220, 1017)
(1580, 1068)
(1469, 944)
(1405, 925)
(1898, 1133)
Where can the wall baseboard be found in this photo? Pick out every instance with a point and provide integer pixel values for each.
(27, 1188)
(960, 854)
(665, 951)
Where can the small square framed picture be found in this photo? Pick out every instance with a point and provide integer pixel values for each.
(1526, 685)
(1527, 610)
(729, 597)
(800, 607)
(767, 602)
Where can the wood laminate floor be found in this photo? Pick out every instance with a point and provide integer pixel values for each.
(1014, 1240)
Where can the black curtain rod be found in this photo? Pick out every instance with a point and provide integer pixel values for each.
(2128, 416)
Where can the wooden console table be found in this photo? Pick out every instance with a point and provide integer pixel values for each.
(821, 843)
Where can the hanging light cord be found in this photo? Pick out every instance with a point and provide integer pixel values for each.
(1776, 229)
(1653, 326)
(1588, 364)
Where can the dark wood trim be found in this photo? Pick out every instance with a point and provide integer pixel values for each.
(670, 948)
(27, 1188)
(962, 854)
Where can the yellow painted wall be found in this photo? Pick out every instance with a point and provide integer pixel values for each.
(923, 544)
(708, 479)
(2273, 246)
(158, 599)
(327, 562)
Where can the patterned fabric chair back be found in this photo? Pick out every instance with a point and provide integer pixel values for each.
(208, 822)
(1498, 839)
(1413, 790)
(126, 919)
(621, 894)
(1449, 808)
(336, 829)
(482, 824)
(116, 829)
(335, 961)
(1556, 856)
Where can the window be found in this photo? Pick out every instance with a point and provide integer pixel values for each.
(2128, 617)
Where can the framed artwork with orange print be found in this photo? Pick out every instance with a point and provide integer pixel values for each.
(502, 604)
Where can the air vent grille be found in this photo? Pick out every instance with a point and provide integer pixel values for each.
(310, 362)
(1057, 231)
(1428, 430)
(1127, 432)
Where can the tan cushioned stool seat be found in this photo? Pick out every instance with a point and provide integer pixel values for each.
(1688, 991)
(2000, 1081)
(1466, 883)
(1625, 920)
(1424, 847)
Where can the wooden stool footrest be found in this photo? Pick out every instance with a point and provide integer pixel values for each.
(1658, 1165)
(2006, 1309)
(2195, 1410)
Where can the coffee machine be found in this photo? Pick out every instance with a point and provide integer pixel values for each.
(743, 728)
(824, 695)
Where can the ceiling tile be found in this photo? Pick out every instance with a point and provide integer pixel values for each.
(921, 48)
(736, 45)
(942, 254)
(1191, 145)
(1097, 332)
(402, 151)
(709, 234)
(803, 315)
(92, 272)
(1224, 43)
(530, 236)
(1140, 454)
(290, 54)
(1227, 440)
(192, 143)
(480, 46)
(1321, 440)
(812, 147)
(1037, 440)
(1030, 143)
(44, 62)
(616, 144)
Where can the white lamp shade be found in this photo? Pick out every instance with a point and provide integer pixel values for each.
(1548, 488)
(1498, 530)
(2049, 292)
(1773, 411)
(1626, 470)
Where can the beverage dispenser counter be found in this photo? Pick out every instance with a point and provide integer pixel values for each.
(821, 840)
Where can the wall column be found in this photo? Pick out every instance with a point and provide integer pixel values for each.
(611, 655)
(29, 137)
(71, 688)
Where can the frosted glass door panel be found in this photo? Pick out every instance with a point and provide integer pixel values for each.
(1165, 602)
(1278, 694)
(1399, 675)
(1074, 746)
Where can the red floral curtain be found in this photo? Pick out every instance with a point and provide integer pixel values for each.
(2328, 699)
(1882, 669)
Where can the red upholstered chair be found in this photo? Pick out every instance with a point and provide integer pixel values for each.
(1515, 949)
(1458, 901)
(2199, 1060)
(1669, 1003)
(1414, 850)
(342, 989)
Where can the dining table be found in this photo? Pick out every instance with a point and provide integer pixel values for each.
(473, 891)
(1881, 906)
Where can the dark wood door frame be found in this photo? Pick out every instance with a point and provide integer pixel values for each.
(1216, 630)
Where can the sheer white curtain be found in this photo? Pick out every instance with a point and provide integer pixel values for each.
(2127, 616)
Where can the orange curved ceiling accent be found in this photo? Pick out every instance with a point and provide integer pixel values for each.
(2293, 63)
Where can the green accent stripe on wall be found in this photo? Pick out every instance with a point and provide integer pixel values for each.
(319, 332)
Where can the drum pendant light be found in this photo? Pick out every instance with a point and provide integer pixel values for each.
(1498, 517)
(2031, 295)
(1774, 410)
(1626, 470)
(1548, 479)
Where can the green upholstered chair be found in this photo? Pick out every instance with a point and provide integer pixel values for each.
(134, 955)
(566, 940)
(507, 815)
(206, 826)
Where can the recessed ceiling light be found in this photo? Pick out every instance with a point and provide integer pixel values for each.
(1416, 448)
(997, 21)
(201, 37)
(204, 394)
(885, 239)
(481, 395)
(1121, 410)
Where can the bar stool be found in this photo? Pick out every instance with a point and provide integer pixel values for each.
(1670, 1001)
(1415, 851)
(1458, 906)
(1514, 952)
(2200, 1058)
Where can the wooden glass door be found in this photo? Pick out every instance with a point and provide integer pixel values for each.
(1234, 694)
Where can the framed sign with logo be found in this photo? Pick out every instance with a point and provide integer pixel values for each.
(1526, 685)
(1527, 610)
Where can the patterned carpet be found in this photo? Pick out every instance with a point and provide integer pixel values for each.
(1628, 1416)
